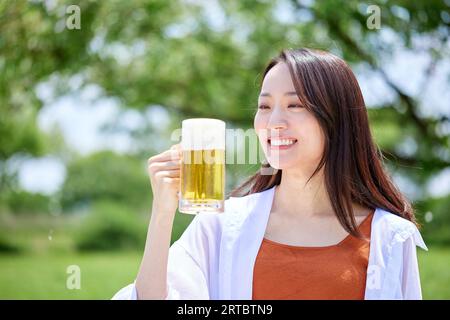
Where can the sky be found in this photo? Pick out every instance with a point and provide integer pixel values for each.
(82, 114)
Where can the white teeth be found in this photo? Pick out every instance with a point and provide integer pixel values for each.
(281, 142)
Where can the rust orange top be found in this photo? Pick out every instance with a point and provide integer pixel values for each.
(332, 272)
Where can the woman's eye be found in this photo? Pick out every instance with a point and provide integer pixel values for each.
(263, 107)
(295, 106)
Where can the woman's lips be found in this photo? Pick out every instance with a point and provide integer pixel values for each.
(281, 143)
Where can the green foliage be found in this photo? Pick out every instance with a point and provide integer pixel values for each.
(7, 246)
(177, 55)
(111, 226)
(23, 202)
(106, 175)
(180, 223)
(31, 51)
(133, 52)
(435, 220)
(19, 133)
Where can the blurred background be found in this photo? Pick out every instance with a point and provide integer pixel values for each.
(90, 89)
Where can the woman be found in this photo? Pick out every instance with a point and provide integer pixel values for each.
(326, 223)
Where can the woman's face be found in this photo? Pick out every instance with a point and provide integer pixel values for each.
(289, 134)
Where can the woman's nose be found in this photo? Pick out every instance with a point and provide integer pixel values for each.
(276, 121)
(277, 127)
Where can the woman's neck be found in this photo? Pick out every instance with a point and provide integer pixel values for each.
(296, 194)
(296, 197)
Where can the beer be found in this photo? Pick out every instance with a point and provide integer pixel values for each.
(202, 174)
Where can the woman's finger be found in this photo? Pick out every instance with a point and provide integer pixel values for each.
(165, 156)
(166, 165)
(168, 174)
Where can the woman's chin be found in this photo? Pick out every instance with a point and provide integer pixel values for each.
(281, 165)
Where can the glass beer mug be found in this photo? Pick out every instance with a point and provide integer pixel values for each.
(202, 174)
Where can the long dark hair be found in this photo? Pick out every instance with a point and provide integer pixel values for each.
(353, 165)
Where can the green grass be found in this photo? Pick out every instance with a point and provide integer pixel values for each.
(38, 271)
(434, 267)
(43, 276)
(47, 248)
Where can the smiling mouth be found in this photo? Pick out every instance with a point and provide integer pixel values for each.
(281, 142)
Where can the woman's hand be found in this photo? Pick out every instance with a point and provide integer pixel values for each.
(164, 172)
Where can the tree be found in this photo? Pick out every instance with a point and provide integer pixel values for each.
(106, 176)
(204, 59)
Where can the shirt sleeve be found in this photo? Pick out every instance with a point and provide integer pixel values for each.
(187, 271)
(411, 288)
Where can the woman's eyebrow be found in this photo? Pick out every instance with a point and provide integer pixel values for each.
(266, 94)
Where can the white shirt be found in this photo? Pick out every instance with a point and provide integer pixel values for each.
(214, 257)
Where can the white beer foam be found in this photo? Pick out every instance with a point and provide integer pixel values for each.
(202, 134)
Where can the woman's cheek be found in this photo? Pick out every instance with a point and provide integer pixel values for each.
(258, 124)
(260, 130)
(257, 121)
(316, 142)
